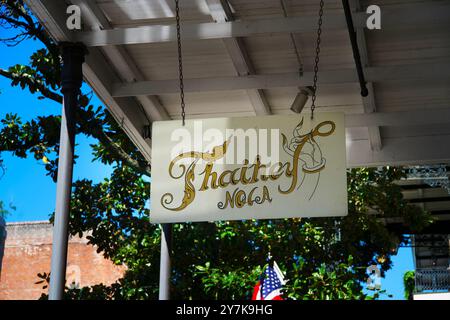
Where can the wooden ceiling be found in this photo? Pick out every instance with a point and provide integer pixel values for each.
(239, 59)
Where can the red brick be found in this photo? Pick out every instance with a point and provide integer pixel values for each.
(27, 252)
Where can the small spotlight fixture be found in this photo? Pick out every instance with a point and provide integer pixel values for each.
(301, 99)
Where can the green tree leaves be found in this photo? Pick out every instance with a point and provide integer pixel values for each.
(409, 284)
(322, 258)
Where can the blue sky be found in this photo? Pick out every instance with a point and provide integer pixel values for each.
(393, 282)
(25, 183)
(27, 187)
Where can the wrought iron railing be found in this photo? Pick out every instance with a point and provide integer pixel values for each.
(432, 280)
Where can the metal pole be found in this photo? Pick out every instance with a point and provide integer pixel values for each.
(354, 43)
(164, 267)
(71, 79)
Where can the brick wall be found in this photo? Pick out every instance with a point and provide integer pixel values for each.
(2, 241)
(27, 251)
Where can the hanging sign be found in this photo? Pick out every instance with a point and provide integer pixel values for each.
(248, 168)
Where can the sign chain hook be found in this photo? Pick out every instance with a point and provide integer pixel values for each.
(180, 61)
(316, 64)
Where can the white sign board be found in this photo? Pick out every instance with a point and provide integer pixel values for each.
(248, 168)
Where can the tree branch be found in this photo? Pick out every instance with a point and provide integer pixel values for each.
(138, 166)
(33, 82)
(33, 29)
(18, 16)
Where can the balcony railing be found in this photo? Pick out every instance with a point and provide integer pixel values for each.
(432, 280)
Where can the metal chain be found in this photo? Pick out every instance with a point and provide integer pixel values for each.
(180, 61)
(316, 65)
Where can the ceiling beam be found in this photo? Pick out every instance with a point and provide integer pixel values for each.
(425, 193)
(424, 116)
(369, 103)
(97, 73)
(125, 111)
(267, 81)
(418, 150)
(221, 12)
(398, 18)
(121, 60)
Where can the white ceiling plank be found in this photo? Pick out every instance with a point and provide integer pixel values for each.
(124, 110)
(424, 193)
(267, 81)
(221, 12)
(120, 58)
(404, 62)
(44, 9)
(202, 31)
(97, 73)
(259, 102)
(92, 13)
(398, 18)
(231, 83)
(370, 107)
(399, 151)
(403, 118)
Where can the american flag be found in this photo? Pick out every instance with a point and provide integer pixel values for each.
(270, 285)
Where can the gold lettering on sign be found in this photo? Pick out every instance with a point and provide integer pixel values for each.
(310, 162)
(189, 190)
(239, 198)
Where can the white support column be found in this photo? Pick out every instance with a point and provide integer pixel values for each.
(71, 78)
(165, 262)
(130, 73)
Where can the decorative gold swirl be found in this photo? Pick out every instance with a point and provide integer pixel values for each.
(294, 148)
(296, 153)
(217, 153)
(189, 189)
